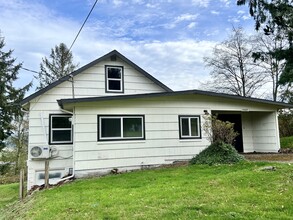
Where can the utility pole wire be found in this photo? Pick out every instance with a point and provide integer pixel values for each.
(33, 71)
(83, 25)
(29, 70)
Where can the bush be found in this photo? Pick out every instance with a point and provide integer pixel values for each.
(9, 179)
(218, 153)
(286, 123)
(287, 142)
(4, 168)
(218, 130)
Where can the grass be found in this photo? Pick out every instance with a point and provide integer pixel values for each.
(239, 191)
(8, 194)
(287, 142)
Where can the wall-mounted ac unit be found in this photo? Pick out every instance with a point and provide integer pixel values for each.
(40, 152)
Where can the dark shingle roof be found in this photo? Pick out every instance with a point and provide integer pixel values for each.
(61, 102)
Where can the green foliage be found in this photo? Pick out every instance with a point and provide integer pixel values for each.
(275, 17)
(7, 179)
(9, 95)
(218, 153)
(18, 143)
(287, 142)
(286, 123)
(59, 64)
(219, 131)
(239, 191)
(4, 168)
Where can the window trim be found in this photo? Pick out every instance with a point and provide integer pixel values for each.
(107, 79)
(189, 117)
(51, 142)
(100, 117)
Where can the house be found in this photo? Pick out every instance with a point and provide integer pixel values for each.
(113, 114)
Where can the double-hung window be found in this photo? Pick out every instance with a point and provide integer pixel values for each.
(114, 79)
(115, 127)
(189, 127)
(60, 129)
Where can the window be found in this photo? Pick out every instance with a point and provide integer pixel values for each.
(114, 79)
(189, 127)
(128, 127)
(60, 129)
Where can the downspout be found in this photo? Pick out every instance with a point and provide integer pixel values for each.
(72, 85)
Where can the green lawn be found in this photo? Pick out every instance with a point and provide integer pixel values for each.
(287, 142)
(240, 191)
(8, 194)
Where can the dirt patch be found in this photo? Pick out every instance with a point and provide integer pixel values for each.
(278, 157)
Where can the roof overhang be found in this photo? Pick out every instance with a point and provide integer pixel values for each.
(64, 102)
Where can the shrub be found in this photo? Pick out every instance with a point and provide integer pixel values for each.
(9, 179)
(219, 131)
(218, 153)
(286, 123)
(4, 168)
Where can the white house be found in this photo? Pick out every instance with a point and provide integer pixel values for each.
(113, 114)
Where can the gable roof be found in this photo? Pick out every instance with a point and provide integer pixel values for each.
(279, 105)
(91, 64)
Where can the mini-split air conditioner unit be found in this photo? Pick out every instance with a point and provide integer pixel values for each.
(40, 152)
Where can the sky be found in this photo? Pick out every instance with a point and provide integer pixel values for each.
(167, 38)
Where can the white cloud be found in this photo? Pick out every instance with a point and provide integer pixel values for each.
(191, 25)
(117, 3)
(186, 17)
(226, 2)
(246, 17)
(201, 3)
(183, 18)
(32, 29)
(215, 12)
(241, 12)
(149, 5)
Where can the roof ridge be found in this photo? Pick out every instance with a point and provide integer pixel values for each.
(92, 63)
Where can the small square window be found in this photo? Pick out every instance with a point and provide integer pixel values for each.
(189, 127)
(114, 79)
(60, 126)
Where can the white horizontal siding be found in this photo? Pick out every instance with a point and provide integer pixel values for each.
(264, 132)
(82, 167)
(90, 83)
(161, 144)
(133, 153)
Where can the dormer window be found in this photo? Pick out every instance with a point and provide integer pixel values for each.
(114, 79)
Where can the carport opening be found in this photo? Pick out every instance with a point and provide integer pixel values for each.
(236, 119)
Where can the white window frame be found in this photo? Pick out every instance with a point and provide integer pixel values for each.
(60, 129)
(121, 117)
(189, 136)
(121, 80)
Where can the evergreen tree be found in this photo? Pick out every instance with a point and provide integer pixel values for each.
(59, 64)
(275, 16)
(9, 95)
